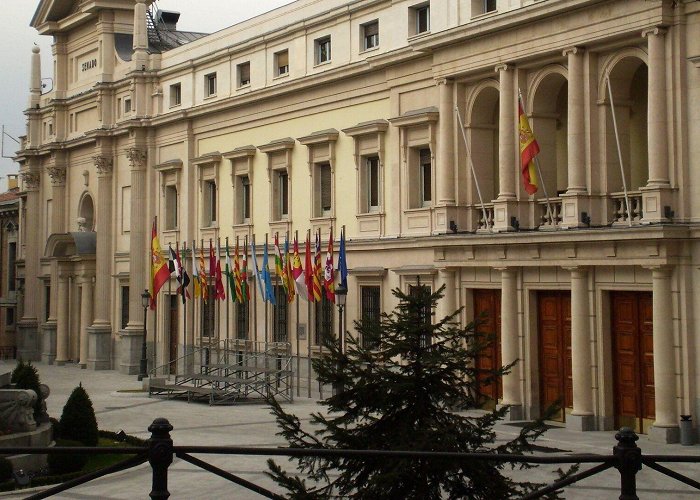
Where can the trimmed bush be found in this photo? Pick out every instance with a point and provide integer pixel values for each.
(26, 376)
(67, 463)
(78, 420)
(5, 469)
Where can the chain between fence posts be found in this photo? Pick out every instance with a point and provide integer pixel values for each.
(629, 462)
(160, 456)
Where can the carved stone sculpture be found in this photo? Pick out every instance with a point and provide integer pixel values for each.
(17, 410)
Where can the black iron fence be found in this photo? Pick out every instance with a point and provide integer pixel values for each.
(159, 451)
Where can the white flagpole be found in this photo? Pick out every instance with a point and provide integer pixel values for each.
(550, 212)
(619, 153)
(471, 167)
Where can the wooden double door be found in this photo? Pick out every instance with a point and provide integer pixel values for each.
(633, 359)
(554, 328)
(487, 312)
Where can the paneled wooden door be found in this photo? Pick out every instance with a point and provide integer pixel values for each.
(554, 327)
(487, 311)
(633, 359)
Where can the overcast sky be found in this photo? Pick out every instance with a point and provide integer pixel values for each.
(17, 38)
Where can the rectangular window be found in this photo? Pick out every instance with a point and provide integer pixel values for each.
(283, 181)
(47, 303)
(423, 291)
(124, 307)
(10, 317)
(372, 176)
(210, 85)
(241, 320)
(325, 189)
(244, 74)
(323, 319)
(171, 207)
(323, 50)
(127, 105)
(282, 63)
(208, 311)
(209, 203)
(425, 173)
(421, 18)
(370, 35)
(371, 309)
(279, 323)
(489, 5)
(245, 198)
(175, 95)
(11, 265)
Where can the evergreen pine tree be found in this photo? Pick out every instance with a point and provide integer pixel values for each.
(405, 385)
(78, 422)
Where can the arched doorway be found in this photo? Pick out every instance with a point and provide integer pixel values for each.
(482, 133)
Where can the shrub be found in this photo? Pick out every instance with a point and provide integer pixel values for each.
(55, 426)
(67, 463)
(25, 376)
(78, 420)
(5, 469)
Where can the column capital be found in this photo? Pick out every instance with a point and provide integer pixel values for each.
(58, 176)
(575, 269)
(660, 270)
(137, 158)
(506, 269)
(31, 180)
(444, 81)
(654, 30)
(574, 51)
(503, 67)
(103, 165)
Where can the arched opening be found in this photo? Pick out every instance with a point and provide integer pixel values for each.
(628, 80)
(482, 133)
(86, 214)
(550, 126)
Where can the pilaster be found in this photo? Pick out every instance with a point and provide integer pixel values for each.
(505, 206)
(510, 343)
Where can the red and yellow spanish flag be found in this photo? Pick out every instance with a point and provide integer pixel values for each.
(528, 150)
(160, 273)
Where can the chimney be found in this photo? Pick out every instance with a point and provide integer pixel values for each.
(167, 19)
(35, 79)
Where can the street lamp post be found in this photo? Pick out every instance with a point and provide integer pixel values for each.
(340, 295)
(143, 368)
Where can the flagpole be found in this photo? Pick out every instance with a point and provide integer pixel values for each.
(550, 212)
(296, 330)
(619, 152)
(322, 284)
(184, 310)
(308, 324)
(194, 303)
(255, 298)
(204, 308)
(266, 301)
(170, 320)
(471, 165)
(155, 315)
(228, 325)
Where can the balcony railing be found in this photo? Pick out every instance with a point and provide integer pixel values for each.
(620, 214)
(550, 220)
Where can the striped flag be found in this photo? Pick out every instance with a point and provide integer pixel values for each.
(237, 274)
(195, 273)
(245, 290)
(308, 271)
(329, 274)
(318, 270)
(288, 276)
(528, 150)
(229, 275)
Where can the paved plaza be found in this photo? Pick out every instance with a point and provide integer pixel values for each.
(118, 406)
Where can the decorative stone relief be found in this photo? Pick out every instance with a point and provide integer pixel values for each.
(103, 165)
(82, 224)
(17, 410)
(30, 179)
(137, 158)
(58, 175)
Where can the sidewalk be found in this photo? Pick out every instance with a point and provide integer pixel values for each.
(252, 424)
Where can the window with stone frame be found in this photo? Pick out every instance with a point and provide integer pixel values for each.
(423, 291)
(370, 35)
(279, 163)
(280, 315)
(323, 49)
(323, 190)
(208, 313)
(370, 184)
(483, 7)
(419, 18)
(124, 306)
(323, 319)
(370, 311)
(171, 207)
(281, 59)
(243, 71)
(210, 85)
(241, 311)
(241, 160)
(175, 95)
(209, 203)
(425, 177)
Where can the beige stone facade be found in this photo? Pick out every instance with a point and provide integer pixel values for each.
(344, 115)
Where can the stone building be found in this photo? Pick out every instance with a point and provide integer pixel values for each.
(342, 113)
(9, 228)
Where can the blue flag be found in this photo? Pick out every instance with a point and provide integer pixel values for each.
(342, 264)
(269, 294)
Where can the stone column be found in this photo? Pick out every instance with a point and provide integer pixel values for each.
(28, 345)
(445, 171)
(656, 115)
(58, 198)
(576, 137)
(138, 252)
(33, 113)
(85, 318)
(447, 304)
(665, 426)
(63, 321)
(657, 193)
(99, 356)
(510, 343)
(581, 417)
(505, 205)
